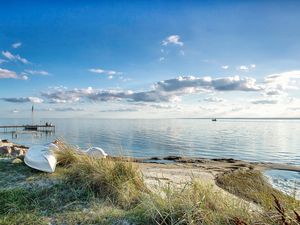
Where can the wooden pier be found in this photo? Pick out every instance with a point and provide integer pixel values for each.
(39, 128)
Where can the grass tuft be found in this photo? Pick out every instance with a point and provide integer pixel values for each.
(278, 208)
(252, 186)
(120, 181)
(196, 203)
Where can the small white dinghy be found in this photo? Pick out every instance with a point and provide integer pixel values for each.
(96, 152)
(41, 158)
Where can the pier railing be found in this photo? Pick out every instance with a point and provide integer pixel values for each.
(41, 128)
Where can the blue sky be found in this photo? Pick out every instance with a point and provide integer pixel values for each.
(144, 59)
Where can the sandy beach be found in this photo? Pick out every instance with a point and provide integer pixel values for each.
(175, 169)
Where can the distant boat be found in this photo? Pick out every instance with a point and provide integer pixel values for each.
(214, 119)
(41, 158)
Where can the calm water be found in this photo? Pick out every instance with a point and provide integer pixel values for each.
(253, 140)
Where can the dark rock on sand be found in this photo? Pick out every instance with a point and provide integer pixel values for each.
(172, 158)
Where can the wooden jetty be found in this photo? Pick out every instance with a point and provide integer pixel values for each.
(40, 128)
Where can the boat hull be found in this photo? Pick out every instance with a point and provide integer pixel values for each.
(41, 158)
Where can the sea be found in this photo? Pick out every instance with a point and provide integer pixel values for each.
(256, 140)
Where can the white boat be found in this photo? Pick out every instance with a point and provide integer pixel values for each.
(41, 158)
(96, 152)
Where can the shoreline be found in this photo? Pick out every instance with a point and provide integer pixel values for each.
(18, 150)
(223, 162)
(228, 187)
(177, 169)
(11, 149)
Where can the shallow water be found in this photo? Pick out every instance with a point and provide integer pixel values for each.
(253, 140)
(286, 181)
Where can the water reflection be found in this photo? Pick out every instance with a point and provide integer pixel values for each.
(254, 140)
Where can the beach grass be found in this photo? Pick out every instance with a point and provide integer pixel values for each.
(86, 190)
(121, 182)
(251, 185)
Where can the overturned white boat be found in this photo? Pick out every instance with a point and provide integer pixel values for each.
(96, 152)
(41, 158)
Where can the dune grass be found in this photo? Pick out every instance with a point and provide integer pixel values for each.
(119, 181)
(196, 203)
(251, 185)
(86, 190)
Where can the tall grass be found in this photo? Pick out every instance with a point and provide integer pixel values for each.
(277, 207)
(107, 191)
(196, 203)
(252, 186)
(120, 181)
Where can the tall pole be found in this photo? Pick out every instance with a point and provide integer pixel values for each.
(32, 116)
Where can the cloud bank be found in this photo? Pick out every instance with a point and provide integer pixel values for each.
(163, 91)
(268, 96)
(24, 100)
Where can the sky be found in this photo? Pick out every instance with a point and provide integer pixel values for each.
(150, 59)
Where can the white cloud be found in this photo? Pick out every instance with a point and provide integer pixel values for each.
(12, 57)
(24, 100)
(110, 73)
(282, 81)
(120, 110)
(23, 77)
(168, 41)
(195, 84)
(16, 45)
(62, 109)
(7, 74)
(265, 101)
(172, 90)
(225, 67)
(68, 109)
(100, 71)
(214, 99)
(243, 68)
(165, 106)
(164, 91)
(246, 68)
(173, 39)
(37, 72)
